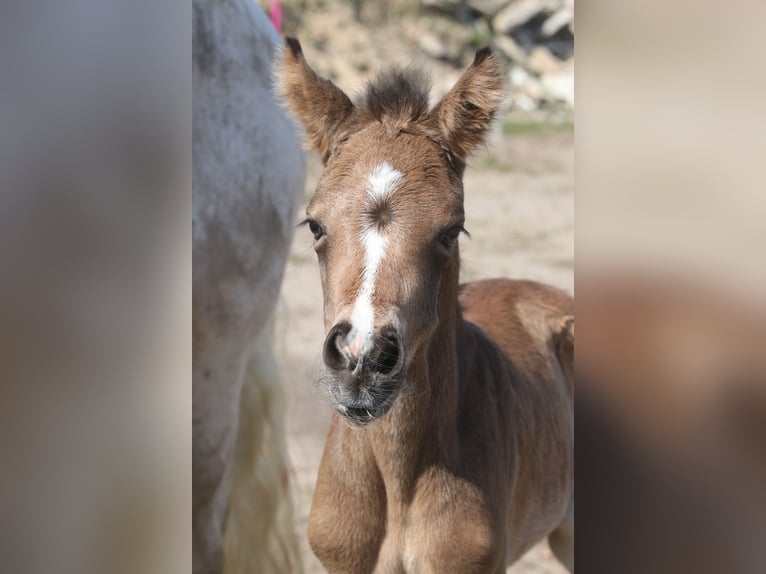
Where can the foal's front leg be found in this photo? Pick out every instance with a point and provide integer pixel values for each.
(347, 523)
(453, 530)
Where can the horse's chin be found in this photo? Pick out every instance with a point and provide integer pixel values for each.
(367, 402)
(364, 416)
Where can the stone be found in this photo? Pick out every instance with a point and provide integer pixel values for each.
(542, 62)
(488, 7)
(520, 12)
(559, 87)
(522, 82)
(525, 103)
(518, 77)
(559, 19)
(511, 49)
(432, 45)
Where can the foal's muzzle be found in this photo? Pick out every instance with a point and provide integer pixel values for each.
(364, 380)
(384, 355)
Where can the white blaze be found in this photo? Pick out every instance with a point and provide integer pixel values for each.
(381, 184)
(382, 181)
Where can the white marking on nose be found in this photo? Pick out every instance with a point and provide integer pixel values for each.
(382, 182)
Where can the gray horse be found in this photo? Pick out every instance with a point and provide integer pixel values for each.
(248, 175)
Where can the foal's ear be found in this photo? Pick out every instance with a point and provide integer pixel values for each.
(466, 113)
(319, 105)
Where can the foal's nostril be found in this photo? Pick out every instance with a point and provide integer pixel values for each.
(385, 357)
(333, 357)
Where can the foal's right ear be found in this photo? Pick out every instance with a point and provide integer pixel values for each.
(319, 105)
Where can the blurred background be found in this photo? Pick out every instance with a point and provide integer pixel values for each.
(347, 40)
(95, 265)
(519, 190)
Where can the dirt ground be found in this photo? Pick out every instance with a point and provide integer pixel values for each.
(519, 199)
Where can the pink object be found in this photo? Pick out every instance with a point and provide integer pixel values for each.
(275, 14)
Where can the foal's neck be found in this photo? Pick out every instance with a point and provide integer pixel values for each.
(420, 430)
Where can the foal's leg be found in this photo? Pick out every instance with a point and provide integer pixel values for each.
(561, 540)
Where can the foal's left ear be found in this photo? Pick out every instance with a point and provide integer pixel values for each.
(466, 113)
(319, 105)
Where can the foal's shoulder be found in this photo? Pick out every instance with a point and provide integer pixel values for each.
(525, 319)
(496, 300)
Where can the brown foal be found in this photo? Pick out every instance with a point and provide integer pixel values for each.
(452, 447)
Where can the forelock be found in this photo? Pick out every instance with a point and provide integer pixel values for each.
(400, 95)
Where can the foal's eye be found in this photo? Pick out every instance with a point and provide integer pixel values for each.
(448, 238)
(316, 229)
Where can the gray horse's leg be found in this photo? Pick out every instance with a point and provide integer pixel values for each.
(217, 384)
(561, 540)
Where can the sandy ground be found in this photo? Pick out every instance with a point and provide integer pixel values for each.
(520, 212)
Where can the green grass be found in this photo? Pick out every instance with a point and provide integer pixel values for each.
(514, 127)
(492, 162)
(480, 38)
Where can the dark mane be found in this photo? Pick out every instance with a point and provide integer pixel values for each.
(401, 94)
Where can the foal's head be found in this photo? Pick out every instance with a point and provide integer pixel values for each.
(386, 213)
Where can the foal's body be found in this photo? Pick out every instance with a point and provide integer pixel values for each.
(460, 456)
(493, 471)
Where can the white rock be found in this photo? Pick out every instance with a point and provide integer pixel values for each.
(520, 12)
(519, 77)
(511, 49)
(560, 86)
(542, 62)
(432, 45)
(563, 17)
(488, 7)
(522, 82)
(534, 89)
(525, 103)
